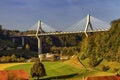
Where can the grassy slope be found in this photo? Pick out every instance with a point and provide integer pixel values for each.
(60, 68)
(112, 64)
(52, 68)
(97, 71)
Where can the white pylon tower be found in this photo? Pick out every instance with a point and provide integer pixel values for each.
(88, 24)
(39, 38)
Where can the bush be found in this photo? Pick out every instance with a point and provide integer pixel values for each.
(12, 58)
(94, 61)
(38, 70)
(5, 59)
(105, 68)
(83, 57)
(33, 59)
(21, 59)
(116, 69)
(118, 73)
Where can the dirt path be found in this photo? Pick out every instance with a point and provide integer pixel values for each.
(74, 62)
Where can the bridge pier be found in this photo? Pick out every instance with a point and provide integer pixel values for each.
(39, 38)
(13, 40)
(23, 41)
(40, 48)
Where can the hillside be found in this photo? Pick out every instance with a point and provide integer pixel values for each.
(102, 45)
(5, 41)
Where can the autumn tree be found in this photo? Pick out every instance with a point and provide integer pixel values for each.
(38, 70)
(27, 47)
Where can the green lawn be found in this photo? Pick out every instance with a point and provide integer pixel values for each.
(52, 68)
(60, 68)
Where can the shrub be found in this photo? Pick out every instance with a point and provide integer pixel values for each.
(33, 59)
(13, 58)
(105, 68)
(94, 61)
(5, 59)
(118, 73)
(116, 69)
(83, 57)
(21, 59)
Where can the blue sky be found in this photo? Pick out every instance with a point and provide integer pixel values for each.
(23, 14)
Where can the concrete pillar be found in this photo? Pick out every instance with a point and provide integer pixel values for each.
(40, 45)
(23, 40)
(40, 55)
(13, 40)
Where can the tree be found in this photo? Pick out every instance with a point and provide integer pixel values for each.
(27, 47)
(38, 70)
(13, 58)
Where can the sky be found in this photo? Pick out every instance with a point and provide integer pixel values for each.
(23, 14)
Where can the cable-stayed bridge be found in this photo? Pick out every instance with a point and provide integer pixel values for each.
(86, 25)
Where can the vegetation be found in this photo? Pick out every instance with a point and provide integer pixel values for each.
(18, 53)
(102, 45)
(105, 68)
(57, 70)
(52, 68)
(12, 58)
(38, 70)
